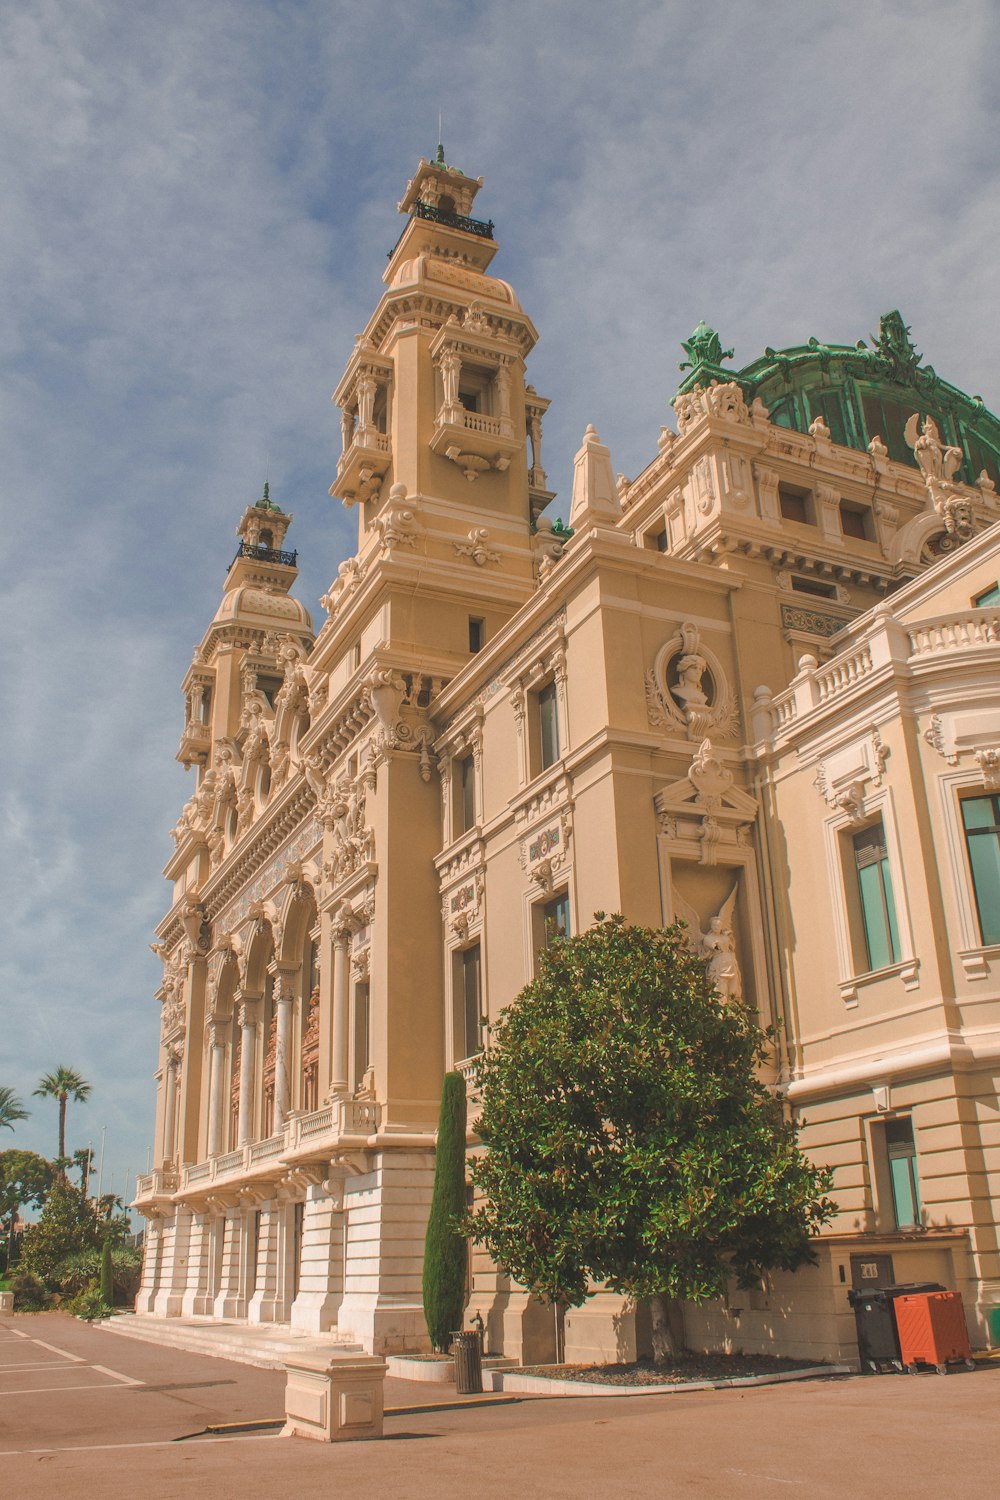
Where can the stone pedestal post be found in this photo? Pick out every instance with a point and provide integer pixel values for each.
(334, 1400)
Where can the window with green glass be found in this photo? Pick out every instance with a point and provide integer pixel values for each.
(472, 1000)
(887, 419)
(878, 908)
(902, 1153)
(828, 405)
(990, 596)
(548, 726)
(555, 919)
(981, 820)
(466, 806)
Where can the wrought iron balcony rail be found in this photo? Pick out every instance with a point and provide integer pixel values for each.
(454, 221)
(260, 553)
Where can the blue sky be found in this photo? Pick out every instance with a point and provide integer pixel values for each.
(198, 201)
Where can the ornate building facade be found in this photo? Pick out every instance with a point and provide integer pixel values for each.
(755, 687)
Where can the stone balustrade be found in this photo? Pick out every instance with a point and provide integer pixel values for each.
(323, 1130)
(918, 646)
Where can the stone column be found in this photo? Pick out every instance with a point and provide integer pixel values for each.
(247, 1015)
(341, 1008)
(198, 1295)
(216, 1086)
(169, 1106)
(283, 999)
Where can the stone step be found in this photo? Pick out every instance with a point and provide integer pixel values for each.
(246, 1343)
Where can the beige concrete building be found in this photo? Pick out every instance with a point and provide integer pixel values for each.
(755, 687)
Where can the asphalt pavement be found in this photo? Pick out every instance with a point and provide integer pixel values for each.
(86, 1412)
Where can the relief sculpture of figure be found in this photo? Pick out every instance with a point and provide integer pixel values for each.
(691, 668)
(717, 946)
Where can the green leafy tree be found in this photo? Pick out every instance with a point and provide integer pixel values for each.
(11, 1108)
(63, 1085)
(445, 1249)
(25, 1182)
(67, 1225)
(631, 1141)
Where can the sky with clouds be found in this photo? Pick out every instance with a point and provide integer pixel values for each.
(198, 199)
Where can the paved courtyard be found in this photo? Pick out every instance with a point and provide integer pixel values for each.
(86, 1412)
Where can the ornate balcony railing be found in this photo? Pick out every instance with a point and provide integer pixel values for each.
(484, 229)
(259, 553)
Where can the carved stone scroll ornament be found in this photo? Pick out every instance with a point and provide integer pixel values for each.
(989, 767)
(477, 548)
(349, 575)
(687, 690)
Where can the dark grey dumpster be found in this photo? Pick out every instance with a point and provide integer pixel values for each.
(875, 1319)
(468, 1363)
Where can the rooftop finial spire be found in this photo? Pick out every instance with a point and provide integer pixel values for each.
(439, 159)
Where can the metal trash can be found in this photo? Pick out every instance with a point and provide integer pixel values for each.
(468, 1363)
(875, 1319)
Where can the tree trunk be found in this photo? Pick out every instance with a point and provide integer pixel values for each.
(665, 1346)
(62, 1129)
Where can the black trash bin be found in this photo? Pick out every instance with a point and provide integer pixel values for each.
(467, 1351)
(875, 1318)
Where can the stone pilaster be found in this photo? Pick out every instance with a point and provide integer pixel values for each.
(231, 1298)
(199, 1292)
(172, 1279)
(268, 1302)
(321, 1268)
(387, 1211)
(152, 1254)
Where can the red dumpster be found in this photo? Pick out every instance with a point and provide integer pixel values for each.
(932, 1330)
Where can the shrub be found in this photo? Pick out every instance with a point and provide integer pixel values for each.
(445, 1251)
(88, 1304)
(30, 1294)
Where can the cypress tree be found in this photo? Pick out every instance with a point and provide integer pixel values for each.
(445, 1247)
(107, 1275)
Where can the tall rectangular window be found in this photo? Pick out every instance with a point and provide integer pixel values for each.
(477, 633)
(878, 908)
(362, 1031)
(981, 820)
(466, 807)
(555, 919)
(902, 1153)
(548, 726)
(472, 1000)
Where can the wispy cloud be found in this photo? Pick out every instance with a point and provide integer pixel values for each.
(197, 204)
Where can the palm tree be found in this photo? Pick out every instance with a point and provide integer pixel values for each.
(83, 1160)
(64, 1084)
(11, 1108)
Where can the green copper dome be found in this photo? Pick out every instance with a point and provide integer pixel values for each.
(862, 392)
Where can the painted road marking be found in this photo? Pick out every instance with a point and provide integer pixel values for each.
(256, 1437)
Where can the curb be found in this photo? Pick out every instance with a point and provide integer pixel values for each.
(544, 1385)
